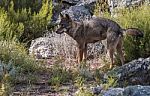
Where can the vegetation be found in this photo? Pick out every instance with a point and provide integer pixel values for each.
(15, 62)
(25, 20)
(24, 24)
(136, 47)
(19, 25)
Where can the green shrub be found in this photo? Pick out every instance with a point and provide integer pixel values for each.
(138, 18)
(15, 63)
(19, 4)
(9, 30)
(37, 23)
(7, 74)
(16, 53)
(83, 92)
(101, 7)
(59, 75)
(22, 24)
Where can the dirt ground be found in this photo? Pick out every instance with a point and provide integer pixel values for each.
(42, 88)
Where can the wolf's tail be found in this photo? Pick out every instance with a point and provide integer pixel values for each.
(133, 32)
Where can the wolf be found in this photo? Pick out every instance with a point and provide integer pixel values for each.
(93, 30)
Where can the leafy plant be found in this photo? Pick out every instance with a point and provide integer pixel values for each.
(111, 82)
(24, 24)
(9, 30)
(83, 92)
(7, 74)
(16, 53)
(136, 47)
(101, 7)
(60, 75)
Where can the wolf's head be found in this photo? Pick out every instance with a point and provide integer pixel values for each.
(65, 24)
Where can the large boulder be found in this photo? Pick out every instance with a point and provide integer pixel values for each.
(136, 90)
(78, 12)
(77, 9)
(113, 92)
(134, 72)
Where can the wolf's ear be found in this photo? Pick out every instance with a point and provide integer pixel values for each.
(67, 16)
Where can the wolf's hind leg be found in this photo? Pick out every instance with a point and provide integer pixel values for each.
(80, 55)
(119, 51)
(85, 53)
(111, 52)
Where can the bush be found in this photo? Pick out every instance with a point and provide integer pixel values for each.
(59, 75)
(138, 18)
(35, 5)
(9, 30)
(14, 63)
(16, 53)
(37, 23)
(23, 24)
(101, 7)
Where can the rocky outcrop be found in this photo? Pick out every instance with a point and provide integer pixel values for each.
(134, 72)
(77, 9)
(113, 92)
(136, 90)
(83, 9)
(133, 79)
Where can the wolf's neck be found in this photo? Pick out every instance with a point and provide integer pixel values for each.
(73, 29)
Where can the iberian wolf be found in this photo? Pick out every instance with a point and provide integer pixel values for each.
(93, 30)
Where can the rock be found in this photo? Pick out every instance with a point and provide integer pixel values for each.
(55, 45)
(41, 48)
(136, 90)
(52, 45)
(97, 90)
(134, 72)
(117, 4)
(72, 2)
(114, 92)
(80, 11)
